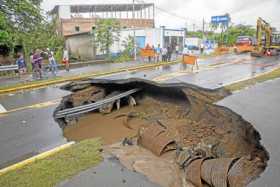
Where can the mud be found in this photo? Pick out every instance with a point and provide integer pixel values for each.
(187, 112)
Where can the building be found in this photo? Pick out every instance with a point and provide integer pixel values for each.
(74, 19)
(153, 37)
(81, 45)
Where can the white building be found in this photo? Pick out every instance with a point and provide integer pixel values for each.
(81, 46)
(152, 37)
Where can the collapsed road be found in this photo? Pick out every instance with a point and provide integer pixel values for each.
(185, 138)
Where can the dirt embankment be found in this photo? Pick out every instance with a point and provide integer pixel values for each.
(188, 115)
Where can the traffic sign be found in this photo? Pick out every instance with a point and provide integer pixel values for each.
(225, 19)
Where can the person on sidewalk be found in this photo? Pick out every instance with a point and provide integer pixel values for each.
(164, 54)
(177, 50)
(21, 64)
(158, 52)
(66, 59)
(37, 62)
(169, 53)
(201, 48)
(52, 62)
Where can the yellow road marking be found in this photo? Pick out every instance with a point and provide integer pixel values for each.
(38, 105)
(80, 77)
(35, 158)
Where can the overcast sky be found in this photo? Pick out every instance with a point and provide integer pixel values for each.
(241, 11)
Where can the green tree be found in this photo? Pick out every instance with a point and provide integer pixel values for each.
(239, 30)
(21, 15)
(21, 23)
(106, 33)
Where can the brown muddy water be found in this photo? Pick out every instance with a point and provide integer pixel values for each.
(187, 112)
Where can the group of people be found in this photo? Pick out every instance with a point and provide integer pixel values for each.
(36, 60)
(163, 54)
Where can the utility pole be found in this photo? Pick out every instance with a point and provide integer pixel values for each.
(134, 34)
(203, 26)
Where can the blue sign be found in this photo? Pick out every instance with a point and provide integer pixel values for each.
(225, 19)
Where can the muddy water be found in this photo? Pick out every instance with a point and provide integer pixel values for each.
(107, 127)
(114, 127)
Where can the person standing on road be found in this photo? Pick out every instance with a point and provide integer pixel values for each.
(52, 62)
(66, 59)
(158, 52)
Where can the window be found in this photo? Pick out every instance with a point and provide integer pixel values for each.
(77, 29)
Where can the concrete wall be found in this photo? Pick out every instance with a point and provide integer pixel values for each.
(80, 46)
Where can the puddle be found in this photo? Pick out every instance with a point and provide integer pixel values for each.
(190, 117)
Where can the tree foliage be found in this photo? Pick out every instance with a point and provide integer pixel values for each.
(21, 15)
(106, 33)
(22, 23)
(240, 30)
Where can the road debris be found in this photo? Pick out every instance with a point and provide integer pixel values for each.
(156, 139)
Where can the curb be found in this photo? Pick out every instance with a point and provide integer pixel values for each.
(251, 78)
(35, 158)
(75, 78)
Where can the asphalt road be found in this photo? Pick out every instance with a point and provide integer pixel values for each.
(108, 173)
(31, 128)
(228, 70)
(260, 106)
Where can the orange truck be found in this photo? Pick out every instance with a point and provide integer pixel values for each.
(244, 44)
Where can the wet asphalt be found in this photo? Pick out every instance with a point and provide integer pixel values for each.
(260, 105)
(27, 132)
(108, 173)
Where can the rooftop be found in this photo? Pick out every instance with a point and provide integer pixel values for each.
(104, 8)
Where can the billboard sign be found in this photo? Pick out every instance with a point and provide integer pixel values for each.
(225, 19)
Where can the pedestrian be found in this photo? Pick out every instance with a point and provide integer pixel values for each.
(52, 62)
(21, 64)
(177, 50)
(164, 54)
(66, 59)
(158, 52)
(201, 48)
(169, 53)
(37, 62)
(148, 49)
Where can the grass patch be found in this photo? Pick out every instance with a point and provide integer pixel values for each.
(56, 168)
(262, 78)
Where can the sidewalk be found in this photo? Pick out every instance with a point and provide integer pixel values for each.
(73, 72)
(15, 84)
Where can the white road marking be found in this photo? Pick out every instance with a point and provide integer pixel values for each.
(2, 109)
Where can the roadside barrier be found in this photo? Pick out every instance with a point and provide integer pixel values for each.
(191, 60)
(8, 68)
